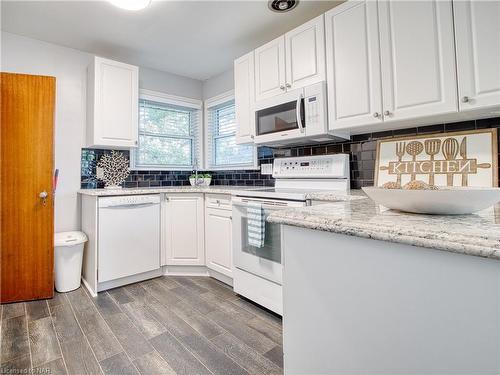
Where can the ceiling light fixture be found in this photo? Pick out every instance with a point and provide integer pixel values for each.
(281, 6)
(130, 4)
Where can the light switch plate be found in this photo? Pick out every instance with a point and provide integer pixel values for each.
(266, 168)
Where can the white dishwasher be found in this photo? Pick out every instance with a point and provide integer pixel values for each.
(129, 236)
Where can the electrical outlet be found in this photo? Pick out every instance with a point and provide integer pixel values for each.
(99, 172)
(266, 168)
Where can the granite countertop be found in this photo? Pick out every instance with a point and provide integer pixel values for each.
(477, 234)
(215, 189)
(327, 196)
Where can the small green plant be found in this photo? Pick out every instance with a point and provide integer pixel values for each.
(207, 175)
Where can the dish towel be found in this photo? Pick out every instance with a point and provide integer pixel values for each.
(256, 224)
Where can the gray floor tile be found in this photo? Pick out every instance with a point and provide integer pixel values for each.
(143, 319)
(132, 341)
(55, 367)
(246, 357)
(118, 364)
(275, 355)
(14, 340)
(17, 365)
(153, 364)
(12, 310)
(43, 341)
(37, 309)
(180, 359)
(79, 357)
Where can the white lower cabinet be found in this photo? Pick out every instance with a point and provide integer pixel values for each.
(218, 235)
(183, 230)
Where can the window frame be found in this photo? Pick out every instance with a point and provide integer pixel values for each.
(208, 104)
(164, 98)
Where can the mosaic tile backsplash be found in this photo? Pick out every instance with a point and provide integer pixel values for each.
(361, 149)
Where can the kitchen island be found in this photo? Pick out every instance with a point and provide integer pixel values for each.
(368, 290)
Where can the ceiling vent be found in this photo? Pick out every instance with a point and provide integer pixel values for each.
(281, 6)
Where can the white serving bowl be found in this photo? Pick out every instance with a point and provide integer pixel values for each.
(446, 201)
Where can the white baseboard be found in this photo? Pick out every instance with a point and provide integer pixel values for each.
(87, 286)
(128, 280)
(221, 277)
(185, 270)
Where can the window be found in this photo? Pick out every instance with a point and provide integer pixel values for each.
(168, 133)
(222, 150)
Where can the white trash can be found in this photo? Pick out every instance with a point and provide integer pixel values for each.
(68, 256)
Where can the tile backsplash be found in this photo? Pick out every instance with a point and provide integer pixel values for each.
(361, 149)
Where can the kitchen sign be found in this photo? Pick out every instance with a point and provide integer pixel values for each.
(448, 159)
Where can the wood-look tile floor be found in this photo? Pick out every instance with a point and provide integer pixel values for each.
(169, 325)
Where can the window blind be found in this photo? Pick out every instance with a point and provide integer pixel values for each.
(169, 135)
(222, 150)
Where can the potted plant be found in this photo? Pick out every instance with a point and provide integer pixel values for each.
(200, 181)
(207, 179)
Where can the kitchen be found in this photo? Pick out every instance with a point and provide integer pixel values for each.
(252, 201)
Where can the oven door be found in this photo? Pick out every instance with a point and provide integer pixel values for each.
(264, 262)
(280, 118)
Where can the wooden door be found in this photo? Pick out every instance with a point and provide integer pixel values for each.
(244, 97)
(353, 65)
(270, 69)
(477, 32)
(183, 229)
(417, 56)
(26, 170)
(218, 241)
(305, 54)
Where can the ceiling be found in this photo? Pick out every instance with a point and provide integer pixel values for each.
(197, 39)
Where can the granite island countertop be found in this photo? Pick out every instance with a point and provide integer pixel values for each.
(316, 195)
(477, 234)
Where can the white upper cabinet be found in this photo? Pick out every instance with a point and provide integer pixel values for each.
(244, 98)
(353, 65)
(305, 54)
(477, 29)
(292, 61)
(270, 69)
(417, 58)
(112, 104)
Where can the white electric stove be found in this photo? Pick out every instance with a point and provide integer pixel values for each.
(258, 271)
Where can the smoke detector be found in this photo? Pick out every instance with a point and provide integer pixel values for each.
(281, 6)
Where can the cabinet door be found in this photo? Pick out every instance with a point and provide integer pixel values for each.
(477, 32)
(270, 69)
(417, 58)
(305, 54)
(183, 229)
(244, 97)
(116, 104)
(353, 65)
(218, 240)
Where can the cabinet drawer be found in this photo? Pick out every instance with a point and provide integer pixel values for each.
(221, 201)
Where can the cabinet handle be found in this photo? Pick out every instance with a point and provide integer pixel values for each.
(465, 99)
(387, 113)
(288, 85)
(376, 115)
(282, 87)
(252, 136)
(135, 142)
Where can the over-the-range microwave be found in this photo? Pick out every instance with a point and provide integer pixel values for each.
(297, 116)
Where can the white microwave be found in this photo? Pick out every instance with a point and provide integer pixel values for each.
(293, 116)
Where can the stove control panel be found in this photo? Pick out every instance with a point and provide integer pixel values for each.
(323, 166)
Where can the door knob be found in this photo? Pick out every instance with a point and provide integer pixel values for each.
(387, 113)
(288, 85)
(376, 115)
(465, 99)
(43, 196)
(282, 87)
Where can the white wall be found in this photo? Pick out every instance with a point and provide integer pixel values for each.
(218, 85)
(30, 56)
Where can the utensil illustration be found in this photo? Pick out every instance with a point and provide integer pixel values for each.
(463, 154)
(450, 151)
(432, 147)
(400, 151)
(413, 149)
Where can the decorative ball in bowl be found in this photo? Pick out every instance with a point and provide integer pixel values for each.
(435, 201)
